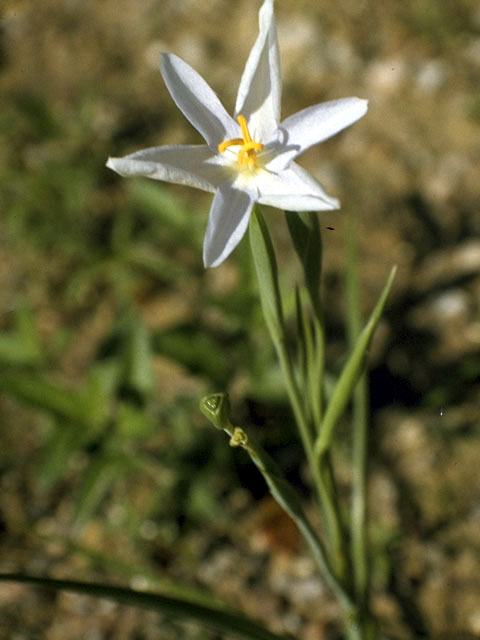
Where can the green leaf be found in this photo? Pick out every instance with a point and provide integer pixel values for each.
(130, 569)
(305, 232)
(195, 348)
(49, 396)
(83, 407)
(142, 256)
(96, 481)
(63, 443)
(161, 204)
(133, 422)
(267, 274)
(350, 374)
(222, 620)
(303, 337)
(138, 358)
(310, 381)
(21, 346)
(71, 433)
(97, 395)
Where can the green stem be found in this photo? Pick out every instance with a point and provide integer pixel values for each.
(336, 528)
(323, 478)
(288, 499)
(267, 275)
(216, 408)
(294, 397)
(359, 626)
(359, 546)
(317, 369)
(358, 520)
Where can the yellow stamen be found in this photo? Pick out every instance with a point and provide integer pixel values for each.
(248, 151)
(228, 143)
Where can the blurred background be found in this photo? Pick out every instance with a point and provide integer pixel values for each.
(111, 330)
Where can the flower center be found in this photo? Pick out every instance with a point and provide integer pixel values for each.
(247, 155)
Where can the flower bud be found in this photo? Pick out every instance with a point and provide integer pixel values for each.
(216, 407)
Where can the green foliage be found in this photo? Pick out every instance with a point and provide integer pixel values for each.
(82, 239)
(221, 619)
(21, 346)
(351, 372)
(305, 232)
(267, 272)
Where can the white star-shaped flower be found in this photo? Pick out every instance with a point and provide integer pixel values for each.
(247, 159)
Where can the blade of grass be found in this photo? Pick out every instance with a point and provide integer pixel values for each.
(358, 516)
(350, 375)
(267, 275)
(359, 551)
(307, 240)
(221, 620)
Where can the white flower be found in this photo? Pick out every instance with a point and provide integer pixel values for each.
(247, 159)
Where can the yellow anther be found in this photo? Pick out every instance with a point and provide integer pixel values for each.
(248, 147)
(229, 143)
(247, 153)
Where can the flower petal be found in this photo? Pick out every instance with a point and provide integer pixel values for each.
(314, 125)
(227, 223)
(197, 101)
(260, 88)
(194, 165)
(294, 189)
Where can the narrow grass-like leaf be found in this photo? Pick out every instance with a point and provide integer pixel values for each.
(130, 569)
(63, 443)
(219, 619)
(360, 401)
(147, 259)
(138, 373)
(350, 374)
(99, 390)
(308, 358)
(81, 407)
(195, 348)
(302, 348)
(305, 232)
(21, 346)
(165, 208)
(43, 394)
(14, 351)
(267, 275)
(96, 481)
(133, 422)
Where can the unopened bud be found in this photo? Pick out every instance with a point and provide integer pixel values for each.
(216, 407)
